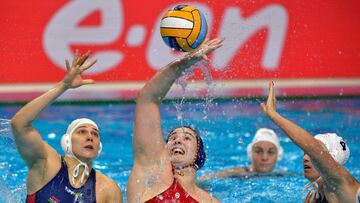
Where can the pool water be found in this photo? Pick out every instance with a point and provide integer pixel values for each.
(227, 126)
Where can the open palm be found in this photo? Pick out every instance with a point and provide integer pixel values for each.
(73, 77)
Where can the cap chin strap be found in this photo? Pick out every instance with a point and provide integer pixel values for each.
(315, 186)
(76, 171)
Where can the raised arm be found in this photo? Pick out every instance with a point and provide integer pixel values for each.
(328, 168)
(147, 140)
(28, 141)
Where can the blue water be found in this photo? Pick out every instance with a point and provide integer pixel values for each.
(227, 127)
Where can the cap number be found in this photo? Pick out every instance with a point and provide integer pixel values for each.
(343, 144)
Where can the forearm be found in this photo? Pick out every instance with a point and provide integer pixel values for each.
(24, 117)
(320, 157)
(219, 174)
(298, 135)
(158, 86)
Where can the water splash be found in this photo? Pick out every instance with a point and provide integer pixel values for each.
(7, 145)
(5, 192)
(5, 131)
(183, 81)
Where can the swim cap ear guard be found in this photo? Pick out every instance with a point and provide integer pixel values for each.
(265, 134)
(336, 146)
(65, 141)
(200, 155)
(200, 158)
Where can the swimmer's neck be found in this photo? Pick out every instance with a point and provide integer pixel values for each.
(186, 177)
(318, 185)
(71, 163)
(187, 172)
(321, 187)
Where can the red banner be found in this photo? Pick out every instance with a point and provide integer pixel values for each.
(263, 39)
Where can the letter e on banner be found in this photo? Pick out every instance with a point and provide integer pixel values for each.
(63, 30)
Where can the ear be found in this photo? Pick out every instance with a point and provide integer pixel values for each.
(249, 152)
(100, 149)
(66, 143)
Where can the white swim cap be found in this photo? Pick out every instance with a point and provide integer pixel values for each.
(265, 134)
(66, 146)
(336, 146)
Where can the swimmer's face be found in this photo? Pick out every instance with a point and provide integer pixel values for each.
(182, 145)
(85, 142)
(310, 172)
(264, 155)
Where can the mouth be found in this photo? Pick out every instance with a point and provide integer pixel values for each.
(178, 150)
(90, 147)
(306, 167)
(265, 166)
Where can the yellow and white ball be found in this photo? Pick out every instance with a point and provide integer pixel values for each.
(183, 28)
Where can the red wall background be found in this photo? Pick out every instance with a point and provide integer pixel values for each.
(321, 38)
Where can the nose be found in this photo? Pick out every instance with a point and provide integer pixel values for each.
(306, 158)
(264, 157)
(177, 141)
(90, 137)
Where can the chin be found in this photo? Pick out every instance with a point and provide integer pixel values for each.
(265, 169)
(88, 157)
(310, 178)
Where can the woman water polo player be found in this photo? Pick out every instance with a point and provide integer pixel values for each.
(52, 178)
(323, 159)
(166, 172)
(264, 151)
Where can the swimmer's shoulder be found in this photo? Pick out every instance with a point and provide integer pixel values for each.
(107, 187)
(103, 179)
(206, 197)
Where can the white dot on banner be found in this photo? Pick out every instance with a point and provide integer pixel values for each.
(135, 35)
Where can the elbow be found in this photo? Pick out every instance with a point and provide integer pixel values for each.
(14, 122)
(17, 125)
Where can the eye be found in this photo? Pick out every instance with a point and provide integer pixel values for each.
(94, 133)
(82, 131)
(172, 138)
(187, 138)
(258, 151)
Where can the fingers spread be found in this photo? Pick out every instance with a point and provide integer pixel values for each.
(67, 65)
(83, 58)
(87, 66)
(216, 42)
(75, 59)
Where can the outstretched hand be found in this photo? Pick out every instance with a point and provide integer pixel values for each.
(205, 48)
(270, 106)
(73, 77)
